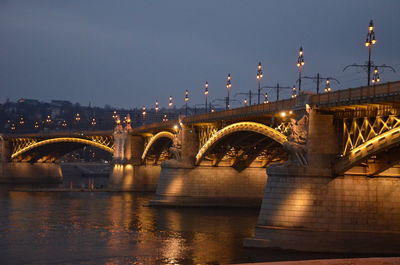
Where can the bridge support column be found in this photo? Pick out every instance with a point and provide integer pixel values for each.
(182, 183)
(308, 209)
(128, 173)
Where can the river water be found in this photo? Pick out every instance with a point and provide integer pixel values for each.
(119, 228)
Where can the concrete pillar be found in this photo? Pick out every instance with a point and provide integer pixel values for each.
(322, 141)
(5, 154)
(134, 147)
(128, 172)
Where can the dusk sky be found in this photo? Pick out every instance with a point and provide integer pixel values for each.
(129, 53)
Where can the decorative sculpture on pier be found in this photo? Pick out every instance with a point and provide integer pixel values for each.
(176, 148)
(297, 141)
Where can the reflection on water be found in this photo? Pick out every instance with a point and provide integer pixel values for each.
(116, 228)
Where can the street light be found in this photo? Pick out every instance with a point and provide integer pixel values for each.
(375, 76)
(186, 101)
(206, 95)
(228, 88)
(327, 85)
(259, 76)
(157, 108)
(93, 123)
(300, 63)
(245, 102)
(170, 104)
(368, 43)
(294, 94)
(266, 98)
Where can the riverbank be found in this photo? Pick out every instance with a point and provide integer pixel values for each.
(356, 261)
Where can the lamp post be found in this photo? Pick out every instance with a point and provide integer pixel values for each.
(294, 93)
(170, 104)
(186, 101)
(375, 78)
(157, 107)
(368, 43)
(245, 102)
(266, 98)
(206, 95)
(144, 114)
(259, 76)
(327, 85)
(300, 63)
(228, 88)
(93, 123)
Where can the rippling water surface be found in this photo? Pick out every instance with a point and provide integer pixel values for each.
(118, 228)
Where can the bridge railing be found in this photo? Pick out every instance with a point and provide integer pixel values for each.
(360, 93)
(267, 108)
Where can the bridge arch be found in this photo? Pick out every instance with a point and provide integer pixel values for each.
(156, 139)
(379, 144)
(240, 127)
(81, 141)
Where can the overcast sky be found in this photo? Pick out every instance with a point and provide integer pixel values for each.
(129, 53)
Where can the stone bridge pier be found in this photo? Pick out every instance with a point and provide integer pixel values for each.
(310, 208)
(184, 182)
(128, 171)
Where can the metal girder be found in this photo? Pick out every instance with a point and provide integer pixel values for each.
(384, 161)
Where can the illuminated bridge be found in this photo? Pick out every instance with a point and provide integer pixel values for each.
(324, 168)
